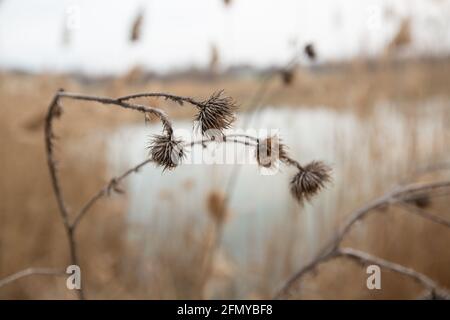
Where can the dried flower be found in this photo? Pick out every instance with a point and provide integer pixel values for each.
(217, 113)
(166, 151)
(310, 180)
(269, 151)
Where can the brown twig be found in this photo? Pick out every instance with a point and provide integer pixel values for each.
(55, 111)
(28, 272)
(178, 99)
(424, 214)
(397, 196)
(115, 181)
(364, 258)
(167, 125)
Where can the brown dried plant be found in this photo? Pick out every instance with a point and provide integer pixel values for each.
(166, 151)
(309, 180)
(217, 113)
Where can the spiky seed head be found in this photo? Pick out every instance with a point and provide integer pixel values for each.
(216, 113)
(166, 151)
(269, 151)
(310, 180)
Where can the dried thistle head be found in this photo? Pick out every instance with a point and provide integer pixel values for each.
(166, 151)
(216, 113)
(310, 180)
(269, 151)
(217, 209)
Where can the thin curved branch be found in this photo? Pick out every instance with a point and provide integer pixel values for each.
(167, 125)
(54, 111)
(397, 195)
(178, 99)
(113, 183)
(424, 214)
(364, 258)
(242, 135)
(29, 272)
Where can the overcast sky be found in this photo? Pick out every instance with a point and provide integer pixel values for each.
(179, 33)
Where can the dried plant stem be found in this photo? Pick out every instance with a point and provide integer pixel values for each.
(118, 102)
(106, 190)
(54, 111)
(364, 258)
(29, 272)
(397, 196)
(245, 136)
(115, 181)
(424, 214)
(174, 98)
